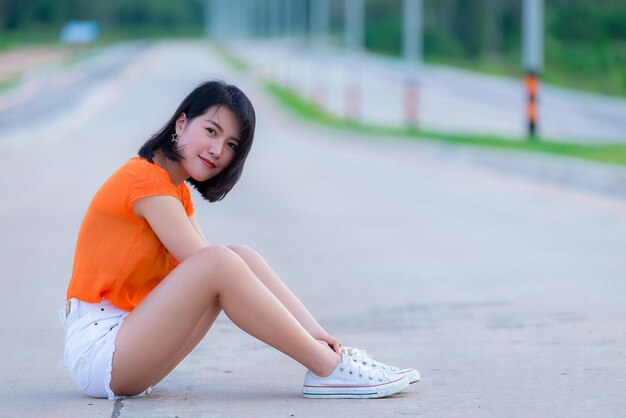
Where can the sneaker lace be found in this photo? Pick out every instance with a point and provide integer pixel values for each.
(348, 365)
(360, 356)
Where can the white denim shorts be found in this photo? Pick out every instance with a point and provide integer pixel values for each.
(90, 344)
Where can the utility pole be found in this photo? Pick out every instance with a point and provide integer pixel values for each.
(532, 46)
(300, 19)
(274, 18)
(319, 20)
(319, 33)
(288, 18)
(261, 18)
(209, 19)
(412, 13)
(354, 15)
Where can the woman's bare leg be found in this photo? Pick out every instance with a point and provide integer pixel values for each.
(269, 278)
(202, 327)
(153, 334)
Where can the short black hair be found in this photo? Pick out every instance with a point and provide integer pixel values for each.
(208, 94)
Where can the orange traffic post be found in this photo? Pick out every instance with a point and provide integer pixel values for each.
(531, 83)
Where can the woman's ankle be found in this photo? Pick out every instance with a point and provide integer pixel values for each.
(328, 366)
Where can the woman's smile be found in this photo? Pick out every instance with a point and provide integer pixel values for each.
(207, 162)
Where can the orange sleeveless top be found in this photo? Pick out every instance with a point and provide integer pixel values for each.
(118, 256)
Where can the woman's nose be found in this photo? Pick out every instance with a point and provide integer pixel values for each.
(216, 148)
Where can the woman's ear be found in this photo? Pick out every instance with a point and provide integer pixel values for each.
(180, 123)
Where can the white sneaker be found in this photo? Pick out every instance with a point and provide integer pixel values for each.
(360, 356)
(353, 380)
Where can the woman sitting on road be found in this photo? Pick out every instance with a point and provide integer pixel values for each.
(146, 285)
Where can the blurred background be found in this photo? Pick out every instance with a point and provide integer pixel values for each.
(585, 40)
(441, 182)
(476, 72)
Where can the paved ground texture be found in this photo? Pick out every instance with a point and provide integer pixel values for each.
(504, 288)
(16, 62)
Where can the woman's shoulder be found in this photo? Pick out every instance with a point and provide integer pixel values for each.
(138, 174)
(139, 163)
(138, 178)
(143, 170)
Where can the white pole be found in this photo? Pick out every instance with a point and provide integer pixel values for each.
(224, 20)
(412, 13)
(288, 16)
(354, 15)
(209, 19)
(355, 24)
(533, 35)
(290, 28)
(319, 24)
(323, 11)
(274, 15)
(412, 25)
(532, 46)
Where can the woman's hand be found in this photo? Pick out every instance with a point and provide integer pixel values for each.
(324, 338)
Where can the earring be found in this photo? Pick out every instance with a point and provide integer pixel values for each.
(175, 137)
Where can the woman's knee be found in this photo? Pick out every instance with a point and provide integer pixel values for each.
(242, 250)
(248, 255)
(217, 258)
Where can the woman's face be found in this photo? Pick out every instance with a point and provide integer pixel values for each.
(208, 143)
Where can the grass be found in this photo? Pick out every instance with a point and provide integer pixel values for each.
(231, 59)
(73, 55)
(36, 36)
(6, 85)
(611, 154)
(118, 34)
(49, 38)
(592, 66)
(588, 74)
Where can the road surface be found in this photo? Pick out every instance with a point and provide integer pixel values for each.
(504, 290)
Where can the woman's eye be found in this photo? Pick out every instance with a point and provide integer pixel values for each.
(233, 146)
(210, 130)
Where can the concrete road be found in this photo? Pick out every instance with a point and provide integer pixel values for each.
(51, 91)
(506, 291)
(449, 100)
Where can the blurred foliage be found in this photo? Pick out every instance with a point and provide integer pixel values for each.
(25, 21)
(474, 28)
(585, 40)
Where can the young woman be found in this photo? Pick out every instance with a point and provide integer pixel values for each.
(146, 284)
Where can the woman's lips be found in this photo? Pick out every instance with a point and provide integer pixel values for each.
(206, 162)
